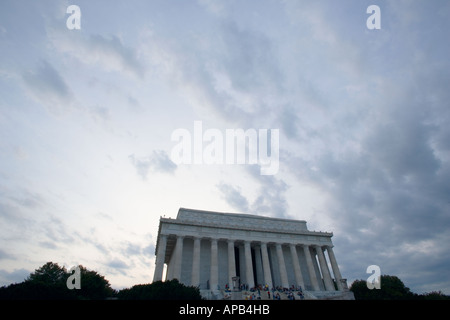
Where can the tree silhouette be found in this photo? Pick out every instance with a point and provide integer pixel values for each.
(50, 273)
(167, 290)
(93, 286)
(392, 288)
(49, 282)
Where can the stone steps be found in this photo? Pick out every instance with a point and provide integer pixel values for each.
(308, 295)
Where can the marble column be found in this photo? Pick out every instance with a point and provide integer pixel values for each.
(309, 263)
(248, 265)
(258, 265)
(231, 263)
(324, 268)
(266, 265)
(195, 280)
(160, 256)
(335, 267)
(214, 278)
(178, 258)
(241, 253)
(296, 264)
(282, 266)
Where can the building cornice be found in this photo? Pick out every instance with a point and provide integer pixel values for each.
(245, 228)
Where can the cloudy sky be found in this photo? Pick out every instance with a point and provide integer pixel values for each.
(87, 117)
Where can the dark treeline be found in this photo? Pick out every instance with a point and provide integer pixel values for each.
(391, 288)
(50, 282)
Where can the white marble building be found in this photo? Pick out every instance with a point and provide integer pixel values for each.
(207, 249)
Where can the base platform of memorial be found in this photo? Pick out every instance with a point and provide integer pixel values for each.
(276, 295)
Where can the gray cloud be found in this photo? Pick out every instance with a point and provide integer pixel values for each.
(49, 88)
(108, 52)
(91, 240)
(15, 208)
(137, 250)
(118, 266)
(289, 122)
(114, 52)
(26, 198)
(149, 250)
(5, 255)
(132, 249)
(99, 113)
(236, 76)
(141, 165)
(233, 197)
(56, 230)
(15, 276)
(48, 245)
(26, 216)
(270, 199)
(159, 161)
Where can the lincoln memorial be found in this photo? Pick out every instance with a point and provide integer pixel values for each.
(230, 255)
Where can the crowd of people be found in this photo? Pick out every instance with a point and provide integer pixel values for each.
(292, 293)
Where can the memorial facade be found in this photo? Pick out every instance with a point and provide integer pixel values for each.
(214, 251)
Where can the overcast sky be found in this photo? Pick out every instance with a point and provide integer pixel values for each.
(87, 115)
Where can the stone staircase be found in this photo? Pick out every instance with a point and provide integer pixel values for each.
(307, 295)
(249, 295)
